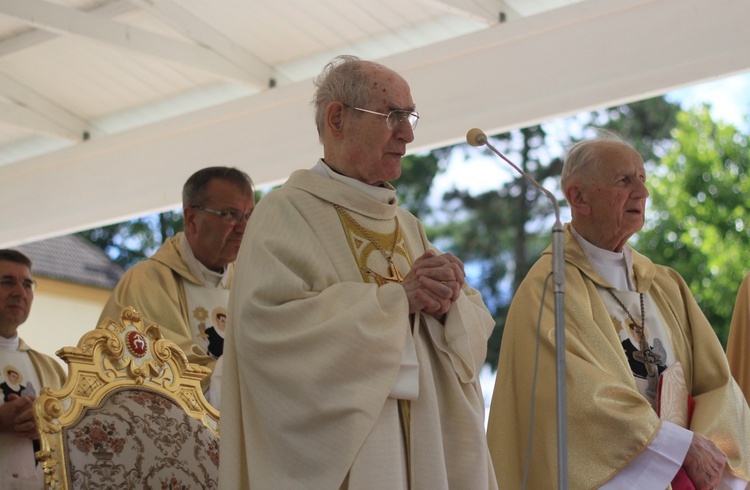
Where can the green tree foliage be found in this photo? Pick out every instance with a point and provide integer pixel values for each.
(414, 185)
(698, 223)
(501, 233)
(131, 241)
(646, 124)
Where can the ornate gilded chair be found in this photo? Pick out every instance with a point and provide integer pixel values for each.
(131, 414)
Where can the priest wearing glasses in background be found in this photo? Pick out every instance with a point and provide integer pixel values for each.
(184, 286)
(354, 346)
(638, 351)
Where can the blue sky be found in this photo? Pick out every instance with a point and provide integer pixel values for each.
(729, 98)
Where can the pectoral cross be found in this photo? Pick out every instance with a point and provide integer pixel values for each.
(395, 275)
(649, 358)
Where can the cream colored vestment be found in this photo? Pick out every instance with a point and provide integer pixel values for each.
(313, 351)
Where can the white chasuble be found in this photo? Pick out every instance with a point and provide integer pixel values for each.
(367, 247)
(321, 338)
(381, 254)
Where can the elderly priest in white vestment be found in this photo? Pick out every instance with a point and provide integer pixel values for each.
(354, 346)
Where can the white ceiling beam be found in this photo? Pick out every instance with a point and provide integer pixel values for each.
(48, 117)
(201, 33)
(37, 36)
(585, 56)
(62, 20)
(485, 11)
(508, 12)
(509, 76)
(28, 121)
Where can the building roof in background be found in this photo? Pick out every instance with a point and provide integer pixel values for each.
(74, 259)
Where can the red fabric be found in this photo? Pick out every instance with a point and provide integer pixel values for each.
(691, 408)
(682, 481)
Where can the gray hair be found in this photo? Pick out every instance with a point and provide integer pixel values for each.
(342, 80)
(193, 191)
(582, 155)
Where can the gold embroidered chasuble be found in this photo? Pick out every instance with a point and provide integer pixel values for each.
(609, 421)
(323, 343)
(738, 345)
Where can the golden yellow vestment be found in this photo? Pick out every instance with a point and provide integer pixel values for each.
(50, 372)
(609, 422)
(738, 345)
(155, 287)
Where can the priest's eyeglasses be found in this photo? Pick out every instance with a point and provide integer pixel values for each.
(396, 117)
(232, 217)
(9, 283)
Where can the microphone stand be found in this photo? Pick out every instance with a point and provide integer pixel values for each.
(477, 137)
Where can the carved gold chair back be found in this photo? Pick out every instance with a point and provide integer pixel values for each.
(131, 414)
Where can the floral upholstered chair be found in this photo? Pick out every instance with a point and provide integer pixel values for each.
(131, 414)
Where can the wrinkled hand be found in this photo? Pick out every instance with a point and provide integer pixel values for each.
(434, 283)
(704, 463)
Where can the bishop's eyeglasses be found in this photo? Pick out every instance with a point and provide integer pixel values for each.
(394, 118)
(232, 217)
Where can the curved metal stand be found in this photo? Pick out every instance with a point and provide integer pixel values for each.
(476, 137)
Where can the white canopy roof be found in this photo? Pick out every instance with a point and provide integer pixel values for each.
(106, 107)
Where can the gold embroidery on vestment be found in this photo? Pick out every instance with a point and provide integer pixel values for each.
(363, 242)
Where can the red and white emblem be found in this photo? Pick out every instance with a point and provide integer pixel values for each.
(137, 344)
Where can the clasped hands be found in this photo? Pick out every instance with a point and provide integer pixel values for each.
(17, 418)
(434, 283)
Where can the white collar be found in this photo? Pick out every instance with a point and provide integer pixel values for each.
(615, 267)
(385, 194)
(9, 344)
(201, 272)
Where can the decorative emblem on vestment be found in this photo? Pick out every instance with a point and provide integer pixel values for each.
(368, 239)
(201, 314)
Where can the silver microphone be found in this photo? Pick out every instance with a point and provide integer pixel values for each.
(476, 137)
